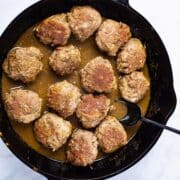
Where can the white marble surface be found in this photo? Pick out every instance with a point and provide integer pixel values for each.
(163, 161)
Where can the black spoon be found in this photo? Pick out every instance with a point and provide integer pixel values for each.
(134, 115)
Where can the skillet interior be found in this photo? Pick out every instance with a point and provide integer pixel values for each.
(162, 103)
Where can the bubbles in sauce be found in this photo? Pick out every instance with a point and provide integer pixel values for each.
(88, 51)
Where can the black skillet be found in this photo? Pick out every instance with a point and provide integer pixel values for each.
(163, 99)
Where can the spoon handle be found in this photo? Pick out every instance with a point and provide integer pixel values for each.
(160, 125)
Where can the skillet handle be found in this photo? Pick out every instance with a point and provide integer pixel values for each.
(125, 2)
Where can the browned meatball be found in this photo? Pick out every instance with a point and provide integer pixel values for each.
(134, 86)
(23, 64)
(82, 148)
(84, 21)
(54, 31)
(132, 57)
(111, 135)
(112, 35)
(91, 110)
(63, 97)
(64, 60)
(52, 131)
(98, 75)
(23, 106)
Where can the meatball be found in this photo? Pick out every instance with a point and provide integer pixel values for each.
(23, 106)
(112, 35)
(53, 31)
(111, 135)
(63, 97)
(52, 131)
(23, 64)
(91, 110)
(82, 148)
(64, 60)
(84, 21)
(134, 86)
(132, 57)
(98, 75)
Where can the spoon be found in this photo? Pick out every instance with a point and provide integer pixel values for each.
(134, 115)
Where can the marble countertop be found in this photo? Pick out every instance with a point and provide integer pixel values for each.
(163, 161)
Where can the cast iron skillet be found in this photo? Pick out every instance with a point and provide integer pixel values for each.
(163, 99)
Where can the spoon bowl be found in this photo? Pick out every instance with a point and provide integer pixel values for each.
(133, 113)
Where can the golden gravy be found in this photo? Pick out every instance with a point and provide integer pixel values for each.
(88, 51)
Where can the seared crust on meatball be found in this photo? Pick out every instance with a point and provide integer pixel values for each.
(54, 30)
(91, 110)
(132, 57)
(82, 148)
(63, 97)
(64, 60)
(23, 106)
(134, 86)
(52, 131)
(98, 76)
(84, 21)
(23, 64)
(112, 35)
(111, 135)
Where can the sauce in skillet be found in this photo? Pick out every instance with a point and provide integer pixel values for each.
(88, 51)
